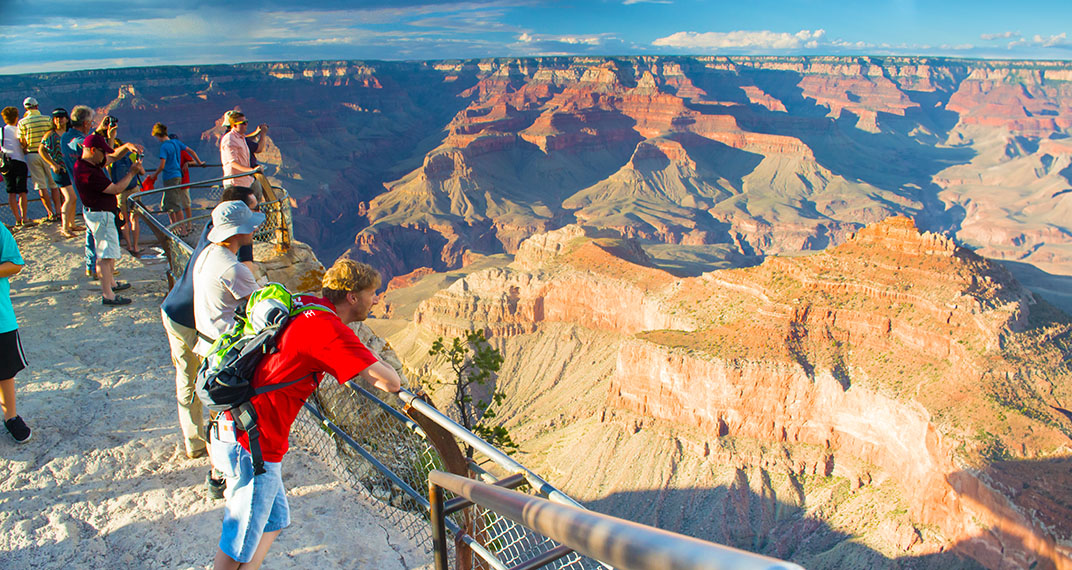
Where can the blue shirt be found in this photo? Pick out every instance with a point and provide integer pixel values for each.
(71, 149)
(9, 251)
(170, 151)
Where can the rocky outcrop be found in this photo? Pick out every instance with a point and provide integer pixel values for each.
(898, 361)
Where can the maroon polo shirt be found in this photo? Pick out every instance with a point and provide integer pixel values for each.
(90, 181)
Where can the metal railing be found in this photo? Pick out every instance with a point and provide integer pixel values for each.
(392, 450)
(275, 205)
(625, 545)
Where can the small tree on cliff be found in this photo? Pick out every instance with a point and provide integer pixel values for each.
(474, 363)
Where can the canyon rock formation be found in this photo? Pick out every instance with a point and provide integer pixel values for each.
(417, 164)
(898, 390)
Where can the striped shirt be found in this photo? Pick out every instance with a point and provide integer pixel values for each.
(32, 129)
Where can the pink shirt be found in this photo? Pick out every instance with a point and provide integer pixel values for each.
(233, 149)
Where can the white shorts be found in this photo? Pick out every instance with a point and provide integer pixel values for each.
(105, 235)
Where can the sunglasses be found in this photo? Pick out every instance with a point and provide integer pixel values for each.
(242, 123)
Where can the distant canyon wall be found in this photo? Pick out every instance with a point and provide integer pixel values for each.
(413, 164)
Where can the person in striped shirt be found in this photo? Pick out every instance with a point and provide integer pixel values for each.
(32, 128)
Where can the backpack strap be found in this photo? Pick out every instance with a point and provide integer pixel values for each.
(250, 426)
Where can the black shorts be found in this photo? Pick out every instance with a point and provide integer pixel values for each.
(12, 359)
(16, 179)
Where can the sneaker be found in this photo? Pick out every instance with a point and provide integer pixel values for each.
(121, 286)
(114, 302)
(18, 429)
(215, 486)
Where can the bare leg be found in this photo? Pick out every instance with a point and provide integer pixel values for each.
(57, 199)
(67, 211)
(135, 229)
(126, 234)
(13, 202)
(106, 269)
(224, 562)
(24, 206)
(46, 201)
(7, 399)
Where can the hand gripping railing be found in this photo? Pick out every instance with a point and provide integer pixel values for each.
(624, 545)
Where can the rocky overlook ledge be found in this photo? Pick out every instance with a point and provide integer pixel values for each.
(105, 481)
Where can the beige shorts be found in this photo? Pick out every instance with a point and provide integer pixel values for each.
(40, 171)
(175, 200)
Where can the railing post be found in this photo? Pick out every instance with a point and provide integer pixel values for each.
(439, 526)
(282, 228)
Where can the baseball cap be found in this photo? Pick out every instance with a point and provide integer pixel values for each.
(233, 217)
(29, 102)
(60, 112)
(96, 141)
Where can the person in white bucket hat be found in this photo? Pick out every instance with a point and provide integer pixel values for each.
(220, 280)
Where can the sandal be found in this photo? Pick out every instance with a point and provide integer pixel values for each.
(67, 234)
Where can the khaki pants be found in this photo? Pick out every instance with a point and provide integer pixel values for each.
(182, 340)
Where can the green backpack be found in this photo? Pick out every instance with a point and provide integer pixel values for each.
(224, 381)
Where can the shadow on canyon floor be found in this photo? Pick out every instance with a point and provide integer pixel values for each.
(1057, 289)
(738, 516)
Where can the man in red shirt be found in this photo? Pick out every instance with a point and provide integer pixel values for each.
(313, 343)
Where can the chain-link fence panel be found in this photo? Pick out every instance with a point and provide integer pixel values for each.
(352, 418)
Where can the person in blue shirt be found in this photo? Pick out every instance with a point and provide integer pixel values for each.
(12, 358)
(175, 202)
(81, 124)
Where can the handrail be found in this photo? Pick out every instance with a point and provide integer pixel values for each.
(191, 184)
(501, 459)
(623, 544)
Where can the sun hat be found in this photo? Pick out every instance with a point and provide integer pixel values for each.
(231, 218)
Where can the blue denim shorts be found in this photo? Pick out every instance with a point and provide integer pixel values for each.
(254, 505)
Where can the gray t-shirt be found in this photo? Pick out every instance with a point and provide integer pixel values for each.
(220, 280)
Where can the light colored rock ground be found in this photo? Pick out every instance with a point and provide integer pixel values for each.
(104, 482)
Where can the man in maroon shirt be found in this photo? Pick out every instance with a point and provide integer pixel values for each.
(313, 343)
(97, 192)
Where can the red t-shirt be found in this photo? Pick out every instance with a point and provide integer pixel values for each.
(313, 342)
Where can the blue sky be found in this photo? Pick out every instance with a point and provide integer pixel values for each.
(61, 35)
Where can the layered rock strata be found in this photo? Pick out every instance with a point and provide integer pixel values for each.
(912, 365)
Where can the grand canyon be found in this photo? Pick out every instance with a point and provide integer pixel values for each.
(813, 307)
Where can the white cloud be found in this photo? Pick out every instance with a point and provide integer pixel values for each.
(763, 39)
(588, 40)
(1051, 41)
(1000, 36)
(631, 2)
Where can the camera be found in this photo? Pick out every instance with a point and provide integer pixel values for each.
(110, 121)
